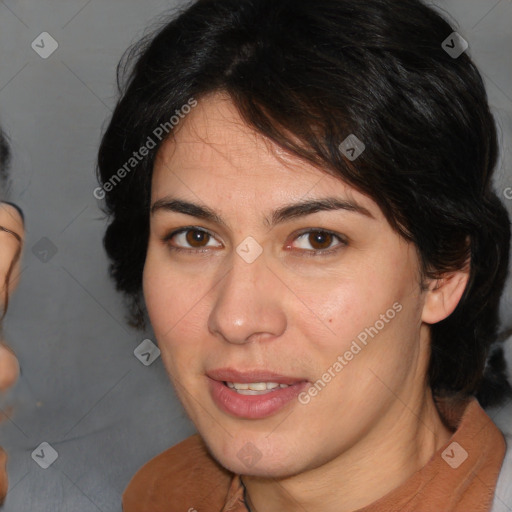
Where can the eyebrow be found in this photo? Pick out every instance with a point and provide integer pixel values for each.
(278, 216)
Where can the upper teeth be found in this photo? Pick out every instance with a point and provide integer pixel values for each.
(255, 386)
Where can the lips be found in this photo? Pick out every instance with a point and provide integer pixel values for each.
(252, 406)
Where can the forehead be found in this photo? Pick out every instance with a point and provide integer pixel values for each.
(213, 151)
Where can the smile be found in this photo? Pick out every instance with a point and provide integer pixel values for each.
(254, 388)
(268, 399)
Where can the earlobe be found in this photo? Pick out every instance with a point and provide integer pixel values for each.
(444, 295)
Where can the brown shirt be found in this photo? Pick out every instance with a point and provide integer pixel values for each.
(460, 477)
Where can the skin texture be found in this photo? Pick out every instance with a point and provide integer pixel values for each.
(9, 277)
(375, 421)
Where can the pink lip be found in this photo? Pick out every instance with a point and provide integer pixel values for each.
(252, 406)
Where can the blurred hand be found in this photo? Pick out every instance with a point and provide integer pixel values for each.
(11, 242)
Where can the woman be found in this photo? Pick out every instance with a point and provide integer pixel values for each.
(300, 196)
(11, 240)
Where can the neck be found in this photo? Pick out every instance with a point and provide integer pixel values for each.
(400, 445)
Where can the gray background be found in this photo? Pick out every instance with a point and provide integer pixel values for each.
(82, 390)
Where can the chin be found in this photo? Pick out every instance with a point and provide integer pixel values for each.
(271, 469)
(246, 457)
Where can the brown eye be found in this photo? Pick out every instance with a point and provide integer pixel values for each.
(320, 240)
(191, 240)
(196, 238)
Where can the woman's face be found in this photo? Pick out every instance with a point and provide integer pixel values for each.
(269, 292)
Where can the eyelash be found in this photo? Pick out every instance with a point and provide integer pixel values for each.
(306, 253)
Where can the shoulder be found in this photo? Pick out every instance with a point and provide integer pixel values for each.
(503, 492)
(183, 478)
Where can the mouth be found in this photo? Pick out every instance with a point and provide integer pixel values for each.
(254, 394)
(254, 388)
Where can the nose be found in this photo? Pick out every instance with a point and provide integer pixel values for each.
(249, 304)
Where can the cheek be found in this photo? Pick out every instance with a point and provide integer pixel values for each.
(341, 306)
(176, 305)
(379, 310)
(168, 294)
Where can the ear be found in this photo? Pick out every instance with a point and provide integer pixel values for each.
(443, 295)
